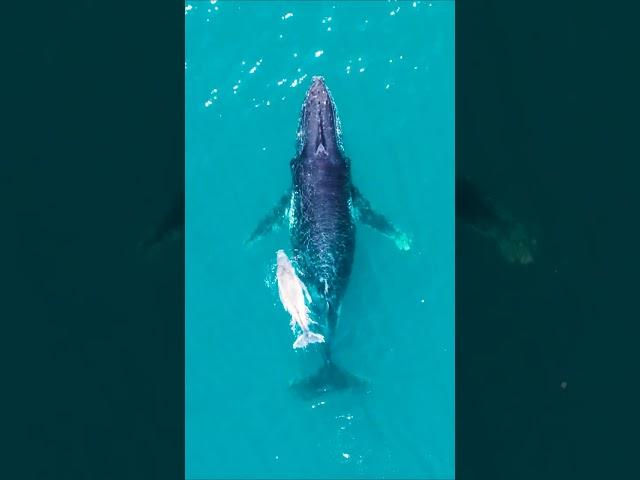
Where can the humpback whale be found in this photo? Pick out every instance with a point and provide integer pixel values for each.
(474, 209)
(321, 210)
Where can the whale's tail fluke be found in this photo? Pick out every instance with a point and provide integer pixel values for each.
(330, 378)
(306, 338)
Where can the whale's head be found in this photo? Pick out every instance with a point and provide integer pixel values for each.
(319, 129)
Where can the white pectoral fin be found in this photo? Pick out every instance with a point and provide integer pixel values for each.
(403, 241)
(306, 291)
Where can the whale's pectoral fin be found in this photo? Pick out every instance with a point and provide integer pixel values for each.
(169, 228)
(516, 242)
(362, 211)
(272, 220)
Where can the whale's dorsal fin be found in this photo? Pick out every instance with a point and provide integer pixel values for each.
(363, 212)
(273, 220)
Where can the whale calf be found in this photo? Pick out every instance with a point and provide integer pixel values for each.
(292, 292)
(321, 210)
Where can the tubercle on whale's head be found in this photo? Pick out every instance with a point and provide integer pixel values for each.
(319, 132)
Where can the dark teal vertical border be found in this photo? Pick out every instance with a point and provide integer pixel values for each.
(92, 155)
(547, 113)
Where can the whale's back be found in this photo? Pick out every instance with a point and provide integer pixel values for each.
(324, 232)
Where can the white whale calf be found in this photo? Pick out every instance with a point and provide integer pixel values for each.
(292, 293)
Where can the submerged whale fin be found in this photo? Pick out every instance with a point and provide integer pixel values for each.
(169, 228)
(475, 210)
(366, 214)
(330, 378)
(272, 220)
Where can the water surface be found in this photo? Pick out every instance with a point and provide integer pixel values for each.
(390, 69)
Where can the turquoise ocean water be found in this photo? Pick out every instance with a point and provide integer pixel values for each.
(390, 69)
